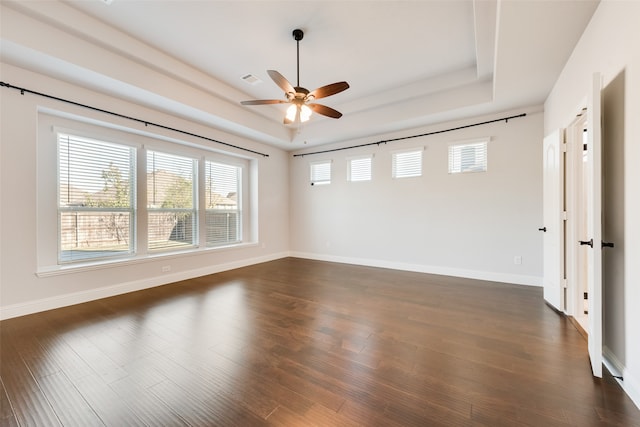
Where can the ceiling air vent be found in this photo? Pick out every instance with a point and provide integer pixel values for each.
(251, 79)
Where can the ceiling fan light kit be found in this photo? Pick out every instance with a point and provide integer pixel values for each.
(300, 98)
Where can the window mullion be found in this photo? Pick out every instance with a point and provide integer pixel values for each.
(202, 203)
(141, 201)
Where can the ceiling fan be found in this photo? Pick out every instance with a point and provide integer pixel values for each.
(301, 99)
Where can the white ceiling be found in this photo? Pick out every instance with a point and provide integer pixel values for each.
(409, 63)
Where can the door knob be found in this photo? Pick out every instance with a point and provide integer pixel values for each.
(543, 229)
(607, 244)
(588, 243)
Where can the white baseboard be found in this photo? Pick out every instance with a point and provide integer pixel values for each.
(16, 310)
(430, 269)
(631, 386)
(30, 307)
(611, 362)
(629, 383)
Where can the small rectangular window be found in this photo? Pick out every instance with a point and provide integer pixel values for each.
(171, 201)
(469, 157)
(359, 168)
(406, 164)
(321, 172)
(222, 194)
(96, 208)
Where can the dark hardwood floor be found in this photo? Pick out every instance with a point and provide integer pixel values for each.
(305, 343)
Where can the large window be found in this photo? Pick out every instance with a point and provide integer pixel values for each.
(121, 195)
(171, 201)
(96, 204)
(223, 214)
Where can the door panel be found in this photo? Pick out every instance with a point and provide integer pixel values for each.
(594, 223)
(553, 206)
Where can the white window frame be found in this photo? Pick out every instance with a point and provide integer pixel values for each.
(457, 163)
(320, 172)
(406, 169)
(364, 170)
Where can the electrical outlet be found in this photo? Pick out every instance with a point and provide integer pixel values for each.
(166, 268)
(517, 260)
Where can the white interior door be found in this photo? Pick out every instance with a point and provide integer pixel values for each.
(594, 223)
(552, 213)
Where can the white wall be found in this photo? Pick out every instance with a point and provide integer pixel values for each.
(21, 290)
(609, 45)
(470, 225)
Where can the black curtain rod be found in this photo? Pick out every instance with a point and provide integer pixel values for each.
(384, 141)
(145, 122)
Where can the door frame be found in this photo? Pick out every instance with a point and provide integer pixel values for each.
(575, 192)
(574, 203)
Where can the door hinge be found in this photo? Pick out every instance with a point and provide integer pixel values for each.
(564, 283)
(565, 216)
(564, 147)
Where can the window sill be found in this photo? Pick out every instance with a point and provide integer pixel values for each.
(57, 270)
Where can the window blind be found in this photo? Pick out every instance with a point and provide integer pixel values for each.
(406, 164)
(359, 169)
(172, 213)
(470, 157)
(95, 198)
(321, 172)
(223, 214)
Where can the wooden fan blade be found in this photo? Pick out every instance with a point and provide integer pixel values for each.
(263, 101)
(328, 90)
(281, 81)
(325, 111)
